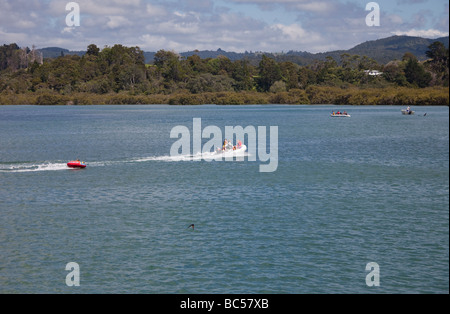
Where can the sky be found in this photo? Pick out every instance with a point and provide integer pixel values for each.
(231, 25)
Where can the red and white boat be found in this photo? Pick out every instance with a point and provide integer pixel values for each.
(76, 164)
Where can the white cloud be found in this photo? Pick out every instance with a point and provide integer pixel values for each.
(178, 28)
(316, 7)
(395, 19)
(234, 25)
(295, 32)
(9, 37)
(163, 42)
(67, 30)
(155, 10)
(117, 21)
(428, 33)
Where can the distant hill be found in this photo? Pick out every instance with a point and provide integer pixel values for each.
(381, 50)
(233, 56)
(55, 52)
(391, 48)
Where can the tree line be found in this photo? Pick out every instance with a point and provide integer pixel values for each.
(120, 73)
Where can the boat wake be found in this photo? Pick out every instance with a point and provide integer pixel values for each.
(197, 157)
(18, 167)
(33, 167)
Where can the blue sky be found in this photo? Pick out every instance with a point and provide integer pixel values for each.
(232, 25)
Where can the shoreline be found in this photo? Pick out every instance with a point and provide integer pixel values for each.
(313, 95)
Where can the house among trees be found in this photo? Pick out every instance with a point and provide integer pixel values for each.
(373, 72)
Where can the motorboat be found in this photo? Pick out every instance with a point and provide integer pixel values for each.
(232, 150)
(408, 112)
(76, 164)
(340, 115)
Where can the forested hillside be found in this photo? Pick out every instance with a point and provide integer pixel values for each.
(120, 75)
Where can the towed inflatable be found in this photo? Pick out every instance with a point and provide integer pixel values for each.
(76, 164)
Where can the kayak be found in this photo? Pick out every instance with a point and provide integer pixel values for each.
(76, 164)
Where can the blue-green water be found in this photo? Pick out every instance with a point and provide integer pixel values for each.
(347, 192)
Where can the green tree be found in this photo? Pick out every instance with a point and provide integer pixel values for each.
(289, 72)
(415, 73)
(63, 73)
(366, 63)
(206, 82)
(327, 71)
(93, 50)
(198, 65)
(394, 73)
(269, 73)
(126, 66)
(221, 66)
(349, 61)
(243, 74)
(169, 65)
(438, 64)
(9, 57)
(306, 77)
(278, 87)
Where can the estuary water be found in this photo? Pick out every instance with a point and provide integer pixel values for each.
(373, 188)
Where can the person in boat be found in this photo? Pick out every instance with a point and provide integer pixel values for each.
(345, 113)
(239, 144)
(227, 145)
